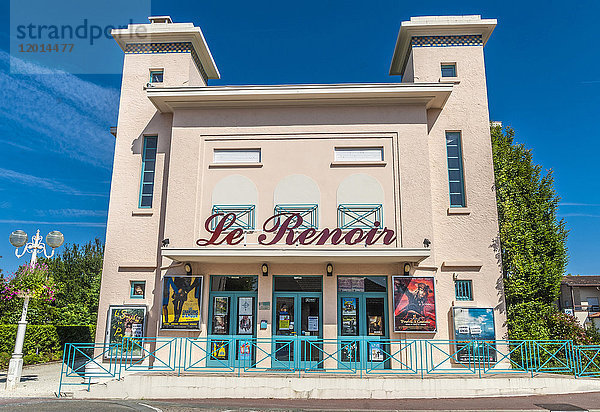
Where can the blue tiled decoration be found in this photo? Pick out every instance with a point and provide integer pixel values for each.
(178, 47)
(447, 41)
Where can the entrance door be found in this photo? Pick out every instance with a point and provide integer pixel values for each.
(232, 321)
(297, 317)
(363, 322)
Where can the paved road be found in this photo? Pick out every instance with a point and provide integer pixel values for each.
(577, 402)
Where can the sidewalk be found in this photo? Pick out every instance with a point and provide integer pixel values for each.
(37, 381)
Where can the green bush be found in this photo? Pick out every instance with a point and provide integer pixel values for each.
(43, 343)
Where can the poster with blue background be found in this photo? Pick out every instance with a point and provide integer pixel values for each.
(474, 324)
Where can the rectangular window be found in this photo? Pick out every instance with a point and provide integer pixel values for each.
(463, 289)
(455, 170)
(309, 214)
(148, 169)
(236, 156)
(359, 216)
(156, 76)
(358, 154)
(448, 69)
(244, 216)
(138, 289)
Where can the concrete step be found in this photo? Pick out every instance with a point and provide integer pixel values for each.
(164, 386)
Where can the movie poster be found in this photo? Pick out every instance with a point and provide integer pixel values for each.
(245, 352)
(474, 324)
(375, 352)
(125, 321)
(245, 326)
(349, 327)
(182, 302)
(219, 349)
(375, 326)
(414, 304)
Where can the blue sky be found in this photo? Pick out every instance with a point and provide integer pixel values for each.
(56, 156)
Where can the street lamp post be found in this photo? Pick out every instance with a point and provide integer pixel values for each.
(19, 238)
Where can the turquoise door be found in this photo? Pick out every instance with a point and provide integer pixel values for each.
(363, 323)
(232, 322)
(297, 343)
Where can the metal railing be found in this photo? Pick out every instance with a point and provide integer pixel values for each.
(363, 356)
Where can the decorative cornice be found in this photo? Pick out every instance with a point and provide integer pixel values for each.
(168, 99)
(447, 41)
(175, 47)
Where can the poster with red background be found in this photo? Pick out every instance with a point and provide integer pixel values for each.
(414, 304)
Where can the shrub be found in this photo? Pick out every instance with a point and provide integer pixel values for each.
(43, 343)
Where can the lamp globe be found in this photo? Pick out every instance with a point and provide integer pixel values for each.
(18, 238)
(55, 239)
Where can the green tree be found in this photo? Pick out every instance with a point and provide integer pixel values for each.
(77, 272)
(75, 281)
(533, 240)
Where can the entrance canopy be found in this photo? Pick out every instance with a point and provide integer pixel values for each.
(297, 255)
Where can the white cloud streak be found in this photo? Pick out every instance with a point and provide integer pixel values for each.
(43, 183)
(37, 222)
(579, 204)
(577, 215)
(73, 212)
(68, 115)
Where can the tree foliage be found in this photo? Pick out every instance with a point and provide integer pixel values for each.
(75, 274)
(533, 240)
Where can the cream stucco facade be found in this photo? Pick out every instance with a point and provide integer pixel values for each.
(297, 130)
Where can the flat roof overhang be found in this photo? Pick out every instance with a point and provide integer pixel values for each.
(297, 255)
(431, 95)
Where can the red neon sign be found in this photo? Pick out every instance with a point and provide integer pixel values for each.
(284, 227)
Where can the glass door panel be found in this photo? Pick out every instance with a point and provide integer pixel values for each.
(310, 328)
(219, 349)
(284, 326)
(350, 318)
(285, 315)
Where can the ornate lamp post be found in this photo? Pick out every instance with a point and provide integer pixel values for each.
(18, 238)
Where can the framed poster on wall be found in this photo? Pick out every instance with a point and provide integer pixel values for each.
(475, 334)
(125, 321)
(182, 302)
(414, 304)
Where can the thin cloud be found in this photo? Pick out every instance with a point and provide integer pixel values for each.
(579, 204)
(578, 215)
(72, 212)
(37, 222)
(44, 183)
(69, 116)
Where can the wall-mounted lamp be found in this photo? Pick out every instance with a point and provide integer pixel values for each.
(165, 242)
(407, 268)
(188, 268)
(426, 242)
(265, 269)
(455, 276)
(329, 269)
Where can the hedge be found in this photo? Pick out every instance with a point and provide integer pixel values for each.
(42, 342)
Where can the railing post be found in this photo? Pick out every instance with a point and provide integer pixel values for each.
(62, 366)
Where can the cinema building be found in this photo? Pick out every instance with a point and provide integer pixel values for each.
(296, 226)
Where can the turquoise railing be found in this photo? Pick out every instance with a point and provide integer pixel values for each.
(244, 216)
(308, 213)
(359, 216)
(364, 356)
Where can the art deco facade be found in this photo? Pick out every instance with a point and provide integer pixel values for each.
(386, 224)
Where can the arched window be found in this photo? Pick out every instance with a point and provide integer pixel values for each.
(298, 194)
(360, 202)
(238, 195)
